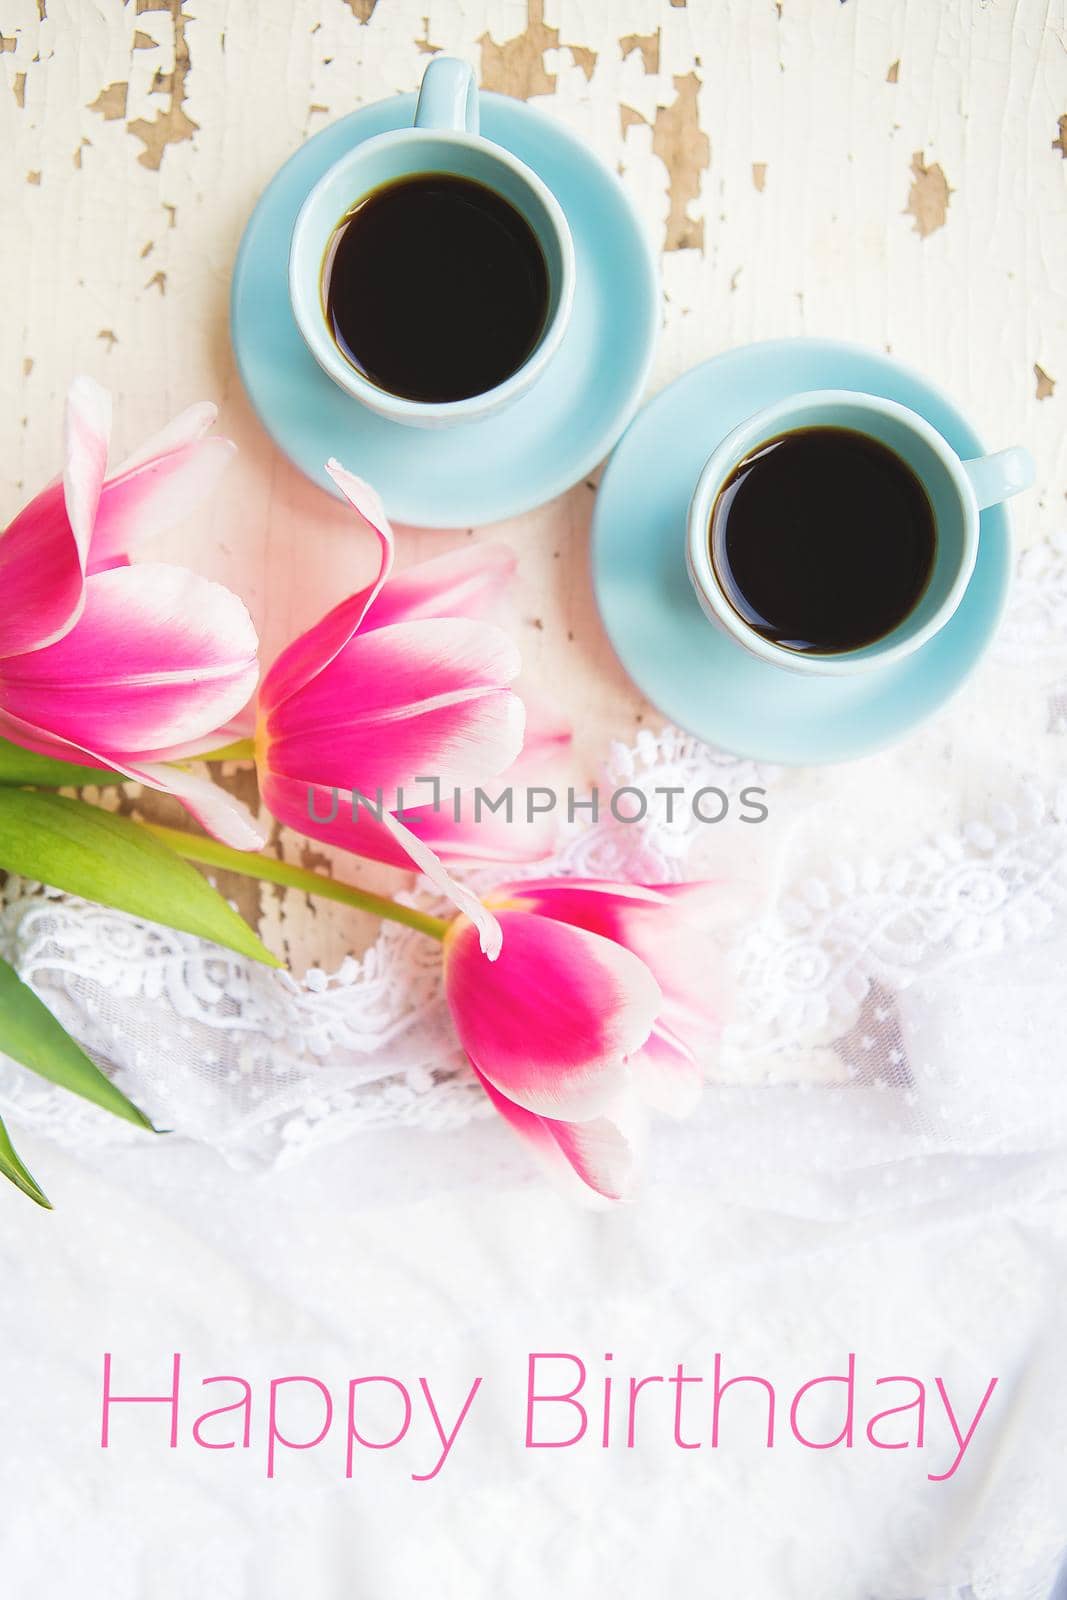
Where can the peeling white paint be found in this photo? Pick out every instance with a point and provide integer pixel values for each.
(826, 245)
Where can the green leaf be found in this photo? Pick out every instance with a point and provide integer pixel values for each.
(29, 1033)
(19, 766)
(20, 1175)
(113, 860)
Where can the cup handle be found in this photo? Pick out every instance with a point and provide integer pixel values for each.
(448, 98)
(997, 477)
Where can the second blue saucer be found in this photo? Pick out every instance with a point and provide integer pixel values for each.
(701, 679)
(506, 464)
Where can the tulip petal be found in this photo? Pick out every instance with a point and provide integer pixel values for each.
(221, 813)
(160, 656)
(462, 583)
(419, 699)
(188, 426)
(242, 725)
(325, 812)
(41, 575)
(476, 915)
(459, 744)
(547, 735)
(87, 428)
(43, 743)
(298, 805)
(665, 1073)
(687, 946)
(553, 1021)
(308, 655)
(43, 552)
(109, 564)
(504, 835)
(594, 903)
(240, 728)
(154, 495)
(675, 928)
(601, 1154)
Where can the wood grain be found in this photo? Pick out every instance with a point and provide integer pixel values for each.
(886, 172)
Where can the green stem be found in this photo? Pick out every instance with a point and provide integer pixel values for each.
(210, 853)
(239, 750)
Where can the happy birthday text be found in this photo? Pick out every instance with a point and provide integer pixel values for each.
(567, 1406)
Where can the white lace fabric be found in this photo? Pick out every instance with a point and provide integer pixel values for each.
(894, 1049)
(822, 954)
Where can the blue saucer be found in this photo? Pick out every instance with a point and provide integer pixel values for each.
(484, 471)
(698, 677)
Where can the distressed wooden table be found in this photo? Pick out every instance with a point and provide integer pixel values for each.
(890, 172)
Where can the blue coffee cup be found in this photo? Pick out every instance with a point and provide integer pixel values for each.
(957, 491)
(444, 139)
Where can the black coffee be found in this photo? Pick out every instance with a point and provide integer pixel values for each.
(822, 539)
(435, 288)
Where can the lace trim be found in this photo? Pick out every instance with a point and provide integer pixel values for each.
(265, 1068)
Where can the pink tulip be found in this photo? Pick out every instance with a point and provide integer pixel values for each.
(398, 683)
(595, 1006)
(119, 666)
